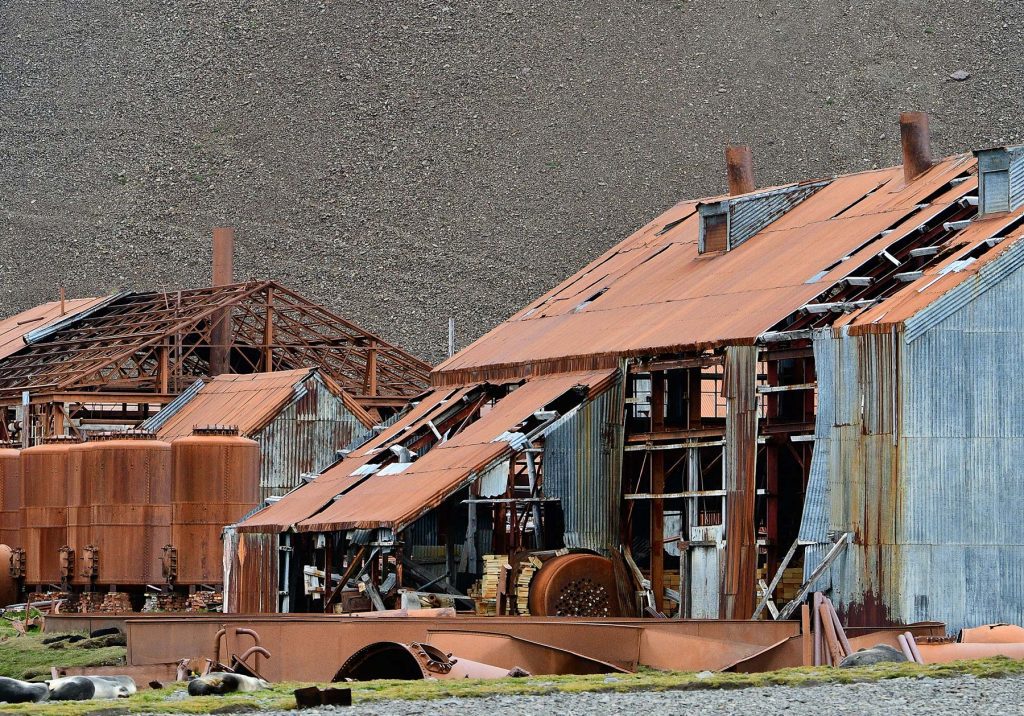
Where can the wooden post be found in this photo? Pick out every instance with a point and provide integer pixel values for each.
(162, 369)
(807, 640)
(694, 400)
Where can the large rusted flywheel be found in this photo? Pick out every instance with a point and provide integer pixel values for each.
(575, 585)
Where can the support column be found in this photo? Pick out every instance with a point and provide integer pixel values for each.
(737, 598)
(658, 488)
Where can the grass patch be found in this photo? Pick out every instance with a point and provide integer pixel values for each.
(26, 657)
(173, 699)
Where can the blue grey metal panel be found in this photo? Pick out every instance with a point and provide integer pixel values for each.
(815, 519)
(750, 214)
(304, 437)
(582, 468)
(171, 409)
(962, 552)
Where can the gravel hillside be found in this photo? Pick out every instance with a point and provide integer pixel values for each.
(404, 161)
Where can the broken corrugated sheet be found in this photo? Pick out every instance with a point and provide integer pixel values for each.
(312, 498)
(396, 501)
(14, 329)
(582, 470)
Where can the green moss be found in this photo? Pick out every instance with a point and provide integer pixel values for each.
(26, 657)
(171, 699)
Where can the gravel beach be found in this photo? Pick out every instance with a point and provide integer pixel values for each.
(961, 695)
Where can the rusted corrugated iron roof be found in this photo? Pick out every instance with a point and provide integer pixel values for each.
(396, 500)
(249, 401)
(14, 329)
(655, 293)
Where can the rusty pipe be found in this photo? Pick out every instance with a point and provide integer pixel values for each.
(739, 168)
(942, 653)
(258, 651)
(223, 269)
(250, 632)
(916, 144)
(221, 634)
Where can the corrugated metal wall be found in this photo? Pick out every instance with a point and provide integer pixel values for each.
(855, 446)
(963, 451)
(250, 572)
(304, 438)
(582, 467)
(923, 450)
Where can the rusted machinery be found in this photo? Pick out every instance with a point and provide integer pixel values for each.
(127, 483)
(215, 482)
(10, 497)
(44, 472)
(575, 585)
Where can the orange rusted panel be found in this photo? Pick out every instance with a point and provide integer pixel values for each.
(655, 293)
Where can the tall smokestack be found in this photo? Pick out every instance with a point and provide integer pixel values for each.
(739, 166)
(220, 335)
(914, 137)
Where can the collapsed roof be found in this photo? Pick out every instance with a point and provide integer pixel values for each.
(160, 342)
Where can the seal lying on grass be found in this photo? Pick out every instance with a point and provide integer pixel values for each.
(15, 691)
(876, 654)
(82, 688)
(218, 683)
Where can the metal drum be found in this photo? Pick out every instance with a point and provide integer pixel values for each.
(216, 482)
(10, 497)
(127, 482)
(44, 511)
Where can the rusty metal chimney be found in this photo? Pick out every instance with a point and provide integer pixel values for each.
(739, 165)
(223, 269)
(917, 152)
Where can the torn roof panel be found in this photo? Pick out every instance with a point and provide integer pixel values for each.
(654, 293)
(313, 497)
(14, 329)
(396, 501)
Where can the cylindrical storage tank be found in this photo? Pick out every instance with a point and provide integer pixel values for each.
(81, 472)
(44, 511)
(10, 497)
(129, 490)
(216, 482)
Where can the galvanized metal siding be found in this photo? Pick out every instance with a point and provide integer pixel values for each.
(582, 467)
(749, 215)
(814, 523)
(857, 379)
(962, 450)
(304, 438)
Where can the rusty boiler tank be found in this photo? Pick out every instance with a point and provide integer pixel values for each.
(44, 508)
(77, 558)
(216, 482)
(10, 497)
(127, 482)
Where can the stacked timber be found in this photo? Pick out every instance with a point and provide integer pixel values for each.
(485, 590)
(204, 602)
(116, 603)
(90, 602)
(164, 602)
(788, 586)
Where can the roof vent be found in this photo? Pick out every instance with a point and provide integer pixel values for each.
(727, 223)
(1000, 179)
(739, 168)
